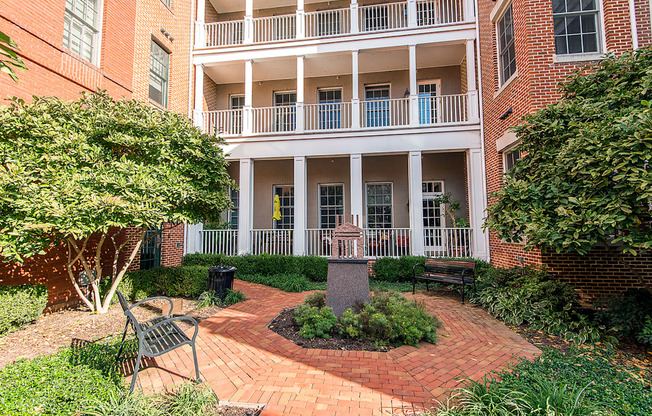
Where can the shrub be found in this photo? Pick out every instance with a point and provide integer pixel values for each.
(234, 296)
(119, 403)
(186, 281)
(286, 282)
(20, 305)
(211, 298)
(189, 400)
(350, 324)
(626, 313)
(395, 269)
(316, 300)
(315, 322)
(645, 336)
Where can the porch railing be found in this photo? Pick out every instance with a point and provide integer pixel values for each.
(219, 242)
(318, 242)
(444, 109)
(223, 122)
(328, 23)
(387, 242)
(225, 33)
(378, 17)
(272, 241)
(275, 28)
(327, 116)
(448, 242)
(385, 113)
(274, 119)
(439, 12)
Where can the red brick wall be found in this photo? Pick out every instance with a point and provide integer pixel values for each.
(37, 27)
(172, 245)
(643, 24)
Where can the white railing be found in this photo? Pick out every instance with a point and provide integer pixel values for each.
(439, 12)
(444, 109)
(274, 119)
(223, 122)
(387, 242)
(378, 17)
(219, 242)
(327, 116)
(385, 113)
(275, 28)
(272, 241)
(448, 242)
(224, 33)
(328, 23)
(318, 242)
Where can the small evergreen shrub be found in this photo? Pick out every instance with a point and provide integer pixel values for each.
(315, 322)
(645, 336)
(184, 281)
(234, 296)
(350, 324)
(286, 282)
(316, 300)
(625, 313)
(20, 305)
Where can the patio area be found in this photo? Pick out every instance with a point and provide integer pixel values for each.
(244, 361)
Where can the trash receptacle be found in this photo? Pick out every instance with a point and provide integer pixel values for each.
(220, 278)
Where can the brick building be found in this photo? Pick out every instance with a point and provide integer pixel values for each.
(528, 47)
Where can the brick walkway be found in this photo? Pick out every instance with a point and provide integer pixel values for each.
(245, 362)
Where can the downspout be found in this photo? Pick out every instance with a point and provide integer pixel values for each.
(190, 97)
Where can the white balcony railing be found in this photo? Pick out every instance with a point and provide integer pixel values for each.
(387, 242)
(223, 122)
(274, 119)
(272, 241)
(318, 242)
(448, 242)
(219, 242)
(379, 17)
(275, 28)
(225, 33)
(327, 116)
(385, 113)
(328, 23)
(444, 109)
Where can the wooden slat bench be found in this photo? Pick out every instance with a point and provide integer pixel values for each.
(158, 335)
(449, 271)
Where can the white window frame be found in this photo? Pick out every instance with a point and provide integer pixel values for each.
(166, 93)
(366, 200)
(234, 208)
(274, 187)
(320, 206)
(96, 46)
(442, 211)
(601, 39)
(501, 81)
(508, 151)
(231, 97)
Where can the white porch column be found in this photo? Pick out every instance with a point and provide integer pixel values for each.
(415, 175)
(477, 203)
(300, 205)
(200, 26)
(469, 10)
(198, 111)
(412, 13)
(249, 22)
(357, 191)
(414, 91)
(247, 113)
(301, 26)
(245, 220)
(300, 117)
(355, 20)
(355, 92)
(193, 242)
(472, 91)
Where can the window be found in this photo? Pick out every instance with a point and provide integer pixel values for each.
(235, 209)
(167, 2)
(286, 197)
(433, 215)
(510, 157)
(159, 69)
(236, 102)
(428, 91)
(81, 28)
(330, 109)
(576, 26)
(376, 106)
(379, 205)
(506, 47)
(331, 204)
(286, 113)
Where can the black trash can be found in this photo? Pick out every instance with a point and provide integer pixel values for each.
(220, 278)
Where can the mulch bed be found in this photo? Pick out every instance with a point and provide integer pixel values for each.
(284, 325)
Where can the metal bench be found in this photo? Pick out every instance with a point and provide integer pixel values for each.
(156, 336)
(456, 272)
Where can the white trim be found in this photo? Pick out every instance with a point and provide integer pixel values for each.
(501, 81)
(436, 81)
(507, 140)
(578, 57)
(632, 22)
(506, 84)
(97, 55)
(498, 10)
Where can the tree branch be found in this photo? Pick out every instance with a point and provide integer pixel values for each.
(123, 270)
(72, 277)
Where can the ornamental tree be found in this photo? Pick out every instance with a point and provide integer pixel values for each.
(72, 170)
(9, 59)
(585, 179)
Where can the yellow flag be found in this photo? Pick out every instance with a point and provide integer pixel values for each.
(277, 208)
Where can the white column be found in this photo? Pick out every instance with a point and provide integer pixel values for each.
(472, 91)
(198, 111)
(355, 20)
(200, 26)
(300, 205)
(414, 91)
(632, 22)
(357, 191)
(247, 113)
(300, 117)
(469, 10)
(301, 26)
(412, 13)
(246, 208)
(249, 22)
(193, 242)
(477, 203)
(415, 175)
(355, 92)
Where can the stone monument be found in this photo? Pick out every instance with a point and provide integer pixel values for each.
(348, 278)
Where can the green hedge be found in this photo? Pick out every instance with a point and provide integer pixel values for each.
(313, 267)
(184, 281)
(392, 269)
(20, 305)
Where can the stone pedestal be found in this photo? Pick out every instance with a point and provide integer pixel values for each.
(347, 284)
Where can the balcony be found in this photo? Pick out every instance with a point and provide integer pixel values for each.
(355, 19)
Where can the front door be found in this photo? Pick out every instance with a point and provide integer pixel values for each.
(428, 103)
(433, 217)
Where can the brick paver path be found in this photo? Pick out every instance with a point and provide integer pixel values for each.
(244, 361)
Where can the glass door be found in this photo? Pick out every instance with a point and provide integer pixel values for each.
(286, 112)
(433, 216)
(428, 103)
(330, 109)
(376, 106)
